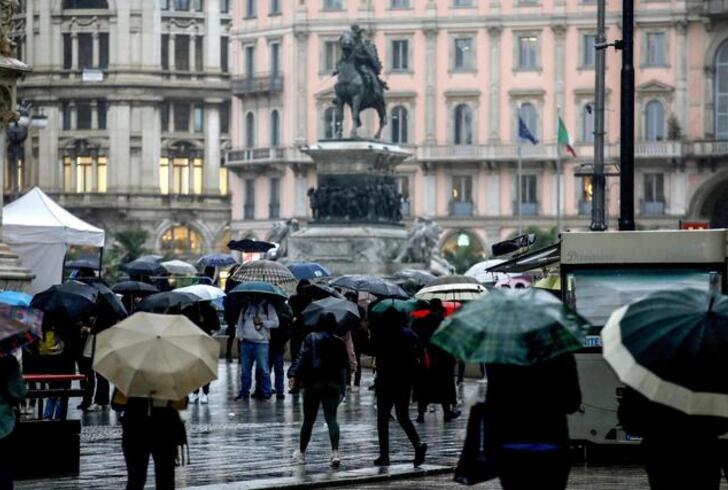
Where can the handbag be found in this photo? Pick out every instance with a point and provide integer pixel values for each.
(477, 461)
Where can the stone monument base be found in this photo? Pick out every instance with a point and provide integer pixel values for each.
(13, 275)
(352, 249)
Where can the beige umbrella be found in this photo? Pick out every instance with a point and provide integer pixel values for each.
(452, 292)
(156, 356)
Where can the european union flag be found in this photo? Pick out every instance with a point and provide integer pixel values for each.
(524, 132)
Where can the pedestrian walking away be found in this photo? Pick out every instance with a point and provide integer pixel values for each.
(320, 369)
(399, 357)
(256, 321)
(205, 317)
(298, 302)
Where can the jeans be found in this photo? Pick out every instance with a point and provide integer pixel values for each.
(275, 361)
(57, 408)
(329, 399)
(251, 352)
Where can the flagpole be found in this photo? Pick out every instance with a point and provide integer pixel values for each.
(519, 184)
(558, 173)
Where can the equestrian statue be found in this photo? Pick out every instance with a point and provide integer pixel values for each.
(358, 84)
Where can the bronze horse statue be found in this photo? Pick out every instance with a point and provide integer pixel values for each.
(353, 90)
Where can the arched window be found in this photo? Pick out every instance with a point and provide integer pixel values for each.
(181, 240)
(463, 125)
(529, 115)
(721, 92)
(587, 123)
(329, 123)
(654, 121)
(399, 124)
(463, 249)
(249, 130)
(275, 129)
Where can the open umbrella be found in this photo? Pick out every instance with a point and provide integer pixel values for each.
(217, 260)
(15, 298)
(70, 300)
(166, 302)
(403, 305)
(266, 271)
(204, 292)
(163, 357)
(415, 275)
(83, 264)
(552, 283)
(179, 267)
(258, 287)
(19, 326)
(109, 308)
(345, 311)
(321, 291)
(308, 270)
(250, 246)
(370, 284)
(450, 308)
(150, 258)
(136, 288)
(511, 327)
(672, 347)
(452, 292)
(141, 267)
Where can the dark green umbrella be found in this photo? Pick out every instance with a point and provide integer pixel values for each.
(512, 327)
(260, 288)
(672, 347)
(403, 305)
(239, 296)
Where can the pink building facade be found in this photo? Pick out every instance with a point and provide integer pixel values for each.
(460, 72)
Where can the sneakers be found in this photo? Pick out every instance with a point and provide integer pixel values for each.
(194, 397)
(299, 457)
(382, 461)
(92, 408)
(204, 399)
(420, 453)
(335, 461)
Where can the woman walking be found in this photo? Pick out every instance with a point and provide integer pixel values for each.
(320, 369)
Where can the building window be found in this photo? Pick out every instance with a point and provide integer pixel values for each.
(181, 117)
(654, 194)
(275, 59)
(101, 113)
(67, 52)
(331, 55)
(329, 123)
(249, 130)
(463, 3)
(529, 199)
(463, 127)
(400, 4)
(656, 50)
(529, 115)
(400, 55)
(103, 50)
(275, 129)
(182, 52)
(101, 174)
(403, 190)
(275, 7)
(197, 5)
(463, 53)
(333, 4)
(182, 5)
(198, 118)
(83, 114)
(654, 121)
(587, 123)
(199, 49)
(249, 9)
(185, 178)
(85, 50)
(180, 176)
(249, 206)
(274, 207)
(164, 116)
(224, 6)
(588, 52)
(225, 117)
(461, 196)
(165, 52)
(224, 185)
(527, 52)
(85, 4)
(399, 125)
(181, 240)
(721, 92)
(66, 113)
(84, 174)
(250, 61)
(164, 175)
(224, 54)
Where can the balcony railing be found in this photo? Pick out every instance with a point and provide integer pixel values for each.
(715, 6)
(254, 156)
(461, 208)
(258, 84)
(710, 148)
(486, 152)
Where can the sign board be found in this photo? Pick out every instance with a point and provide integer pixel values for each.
(694, 225)
(91, 75)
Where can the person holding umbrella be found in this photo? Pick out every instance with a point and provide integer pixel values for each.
(205, 317)
(299, 302)
(321, 369)
(254, 325)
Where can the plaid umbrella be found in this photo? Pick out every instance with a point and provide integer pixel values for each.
(512, 327)
(266, 271)
(19, 326)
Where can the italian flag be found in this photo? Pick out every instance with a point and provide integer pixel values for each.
(564, 138)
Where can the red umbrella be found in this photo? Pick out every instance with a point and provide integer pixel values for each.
(450, 308)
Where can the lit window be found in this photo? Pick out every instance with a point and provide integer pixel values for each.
(463, 54)
(224, 181)
(182, 240)
(181, 176)
(101, 174)
(84, 174)
(528, 52)
(197, 176)
(164, 175)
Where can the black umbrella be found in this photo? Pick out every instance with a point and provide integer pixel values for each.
(416, 276)
(69, 301)
(136, 288)
(166, 302)
(83, 264)
(143, 268)
(109, 308)
(150, 258)
(345, 311)
(250, 246)
(370, 284)
(321, 291)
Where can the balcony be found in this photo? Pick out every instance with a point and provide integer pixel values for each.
(506, 152)
(461, 209)
(258, 84)
(658, 149)
(245, 157)
(652, 208)
(710, 148)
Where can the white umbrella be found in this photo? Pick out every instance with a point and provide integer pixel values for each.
(179, 267)
(156, 356)
(203, 291)
(452, 292)
(479, 271)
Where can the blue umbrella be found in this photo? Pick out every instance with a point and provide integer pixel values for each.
(217, 260)
(308, 270)
(15, 298)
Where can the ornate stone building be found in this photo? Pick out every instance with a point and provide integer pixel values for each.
(460, 72)
(137, 98)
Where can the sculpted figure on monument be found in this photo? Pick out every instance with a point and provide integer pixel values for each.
(279, 234)
(358, 84)
(421, 247)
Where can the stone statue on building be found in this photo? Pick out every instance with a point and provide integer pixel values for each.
(358, 84)
(279, 235)
(421, 247)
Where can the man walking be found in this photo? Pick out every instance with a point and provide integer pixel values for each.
(253, 329)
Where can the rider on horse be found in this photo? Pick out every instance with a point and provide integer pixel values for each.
(367, 62)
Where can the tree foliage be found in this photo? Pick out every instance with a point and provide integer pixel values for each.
(127, 245)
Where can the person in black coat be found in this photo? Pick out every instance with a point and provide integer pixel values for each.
(359, 337)
(320, 368)
(230, 322)
(436, 383)
(399, 356)
(680, 451)
(205, 317)
(526, 411)
(298, 302)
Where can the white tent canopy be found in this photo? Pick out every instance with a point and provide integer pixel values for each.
(40, 231)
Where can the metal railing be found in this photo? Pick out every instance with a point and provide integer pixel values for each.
(260, 83)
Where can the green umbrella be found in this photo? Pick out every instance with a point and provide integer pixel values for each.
(403, 305)
(512, 327)
(258, 287)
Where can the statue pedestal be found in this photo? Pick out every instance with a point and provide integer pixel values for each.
(13, 276)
